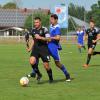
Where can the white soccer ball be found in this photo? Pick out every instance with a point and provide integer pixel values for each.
(24, 81)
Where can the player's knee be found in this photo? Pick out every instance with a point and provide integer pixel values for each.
(32, 60)
(79, 46)
(90, 51)
(58, 64)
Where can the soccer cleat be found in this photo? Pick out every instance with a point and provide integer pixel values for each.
(39, 77)
(85, 66)
(68, 80)
(51, 81)
(31, 75)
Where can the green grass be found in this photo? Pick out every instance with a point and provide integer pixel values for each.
(14, 65)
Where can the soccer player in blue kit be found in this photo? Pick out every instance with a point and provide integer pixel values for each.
(54, 45)
(80, 39)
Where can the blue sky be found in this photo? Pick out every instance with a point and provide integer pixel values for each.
(51, 3)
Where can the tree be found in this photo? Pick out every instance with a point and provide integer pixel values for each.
(76, 11)
(0, 6)
(44, 17)
(99, 4)
(10, 5)
(94, 7)
(95, 13)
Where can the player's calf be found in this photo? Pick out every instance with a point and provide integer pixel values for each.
(49, 71)
(79, 48)
(64, 70)
(90, 52)
(34, 63)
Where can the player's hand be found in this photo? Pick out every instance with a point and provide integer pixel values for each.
(48, 39)
(28, 49)
(52, 38)
(38, 37)
(94, 41)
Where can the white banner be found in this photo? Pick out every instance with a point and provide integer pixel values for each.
(62, 12)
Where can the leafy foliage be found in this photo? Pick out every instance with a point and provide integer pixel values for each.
(9, 5)
(94, 13)
(44, 17)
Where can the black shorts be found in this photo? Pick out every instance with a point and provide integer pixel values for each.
(41, 52)
(91, 46)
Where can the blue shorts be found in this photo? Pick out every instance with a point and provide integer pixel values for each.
(81, 43)
(54, 52)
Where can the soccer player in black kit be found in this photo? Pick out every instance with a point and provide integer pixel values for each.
(93, 36)
(39, 48)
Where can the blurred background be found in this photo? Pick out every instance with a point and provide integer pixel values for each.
(17, 15)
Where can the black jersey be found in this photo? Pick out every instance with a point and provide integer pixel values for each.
(40, 48)
(92, 34)
(41, 32)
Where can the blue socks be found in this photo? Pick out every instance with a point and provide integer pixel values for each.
(64, 70)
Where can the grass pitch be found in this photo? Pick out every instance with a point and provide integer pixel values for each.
(14, 65)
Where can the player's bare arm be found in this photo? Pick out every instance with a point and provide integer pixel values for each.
(85, 37)
(42, 38)
(98, 38)
(57, 37)
(31, 46)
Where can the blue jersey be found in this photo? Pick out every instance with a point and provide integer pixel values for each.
(54, 31)
(80, 38)
(54, 44)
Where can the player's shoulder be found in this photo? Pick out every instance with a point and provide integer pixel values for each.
(88, 30)
(80, 32)
(57, 26)
(96, 29)
(45, 28)
(77, 31)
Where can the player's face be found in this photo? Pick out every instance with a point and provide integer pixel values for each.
(53, 21)
(37, 23)
(79, 29)
(92, 25)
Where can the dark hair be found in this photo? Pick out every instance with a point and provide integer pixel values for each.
(37, 18)
(54, 16)
(91, 20)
